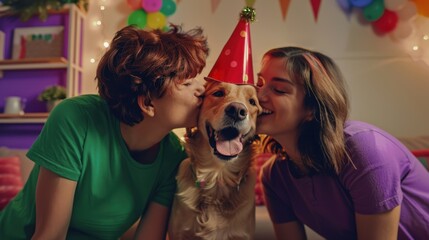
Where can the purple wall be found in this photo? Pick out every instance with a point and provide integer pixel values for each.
(19, 136)
(28, 83)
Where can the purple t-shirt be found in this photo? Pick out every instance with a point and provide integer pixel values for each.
(386, 175)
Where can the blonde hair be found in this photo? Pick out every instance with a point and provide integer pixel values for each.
(321, 140)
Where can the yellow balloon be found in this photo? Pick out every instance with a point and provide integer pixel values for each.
(422, 7)
(156, 20)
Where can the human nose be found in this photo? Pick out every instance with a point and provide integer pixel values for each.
(200, 87)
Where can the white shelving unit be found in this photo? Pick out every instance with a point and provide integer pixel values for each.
(73, 65)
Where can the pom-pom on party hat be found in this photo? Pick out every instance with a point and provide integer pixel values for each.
(234, 64)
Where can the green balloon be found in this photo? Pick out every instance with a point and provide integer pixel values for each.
(138, 17)
(168, 7)
(373, 11)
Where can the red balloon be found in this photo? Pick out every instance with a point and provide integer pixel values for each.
(386, 23)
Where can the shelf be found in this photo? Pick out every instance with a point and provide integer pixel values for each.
(33, 63)
(24, 118)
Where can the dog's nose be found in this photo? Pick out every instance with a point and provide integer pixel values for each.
(236, 111)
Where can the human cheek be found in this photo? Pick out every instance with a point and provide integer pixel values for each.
(262, 95)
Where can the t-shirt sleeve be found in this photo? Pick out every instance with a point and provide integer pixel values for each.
(374, 179)
(174, 154)
(275, 193)
(59, 145)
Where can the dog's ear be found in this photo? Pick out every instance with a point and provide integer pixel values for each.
(146, 106)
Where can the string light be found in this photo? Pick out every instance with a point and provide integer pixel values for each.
(98, 25)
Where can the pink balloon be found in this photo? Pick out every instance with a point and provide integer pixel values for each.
(134, 4)
(402, 31)
(394, 5)
(408, 12)
(151, 5)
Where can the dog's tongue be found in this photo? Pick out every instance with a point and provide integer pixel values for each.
(229, 148)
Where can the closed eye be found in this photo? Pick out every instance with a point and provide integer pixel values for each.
(219, 93)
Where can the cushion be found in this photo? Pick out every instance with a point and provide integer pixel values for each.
(10, 179)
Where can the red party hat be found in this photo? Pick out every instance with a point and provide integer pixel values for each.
(234, 64)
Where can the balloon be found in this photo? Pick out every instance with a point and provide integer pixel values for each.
(360, 3)
(168, 7)
(156, 20)
(408, 12)
(402, 31)
(386, 23)
(422, 7)
(394, 5)
(138, 17)
(345, 5)
(373, 11)
(134, 4)
(151, 5)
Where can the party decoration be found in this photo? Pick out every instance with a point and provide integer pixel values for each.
(315, 6)
(402, 31)
(394, 5)
(422, 7)
(360, 3)
(138, 18)
(408, 11)
(386, 23)
(215, 4)
(134, 4)
(156, 20)
(373, 11)
(345, 5)
(234, 64)
(284, 6)
(151, 5)
(168, 7)
(151, 14)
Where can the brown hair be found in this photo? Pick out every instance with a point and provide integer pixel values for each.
(144, 63)
(321, 140)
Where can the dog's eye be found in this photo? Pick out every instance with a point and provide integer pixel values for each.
(219, 93)
(252, 102)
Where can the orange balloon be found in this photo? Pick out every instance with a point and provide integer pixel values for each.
(422, 7)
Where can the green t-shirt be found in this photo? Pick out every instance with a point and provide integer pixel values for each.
(81, 141)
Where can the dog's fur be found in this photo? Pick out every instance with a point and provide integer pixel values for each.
(222, 206)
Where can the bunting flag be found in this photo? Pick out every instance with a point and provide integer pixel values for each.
(284, 5)
(177, 1)
(215, 4)
(315, 5)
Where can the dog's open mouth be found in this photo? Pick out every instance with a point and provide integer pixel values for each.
(227, 143)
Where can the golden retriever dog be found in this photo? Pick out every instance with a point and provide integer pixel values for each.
(215, 185)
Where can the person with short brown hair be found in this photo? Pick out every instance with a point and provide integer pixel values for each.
(102, 162)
